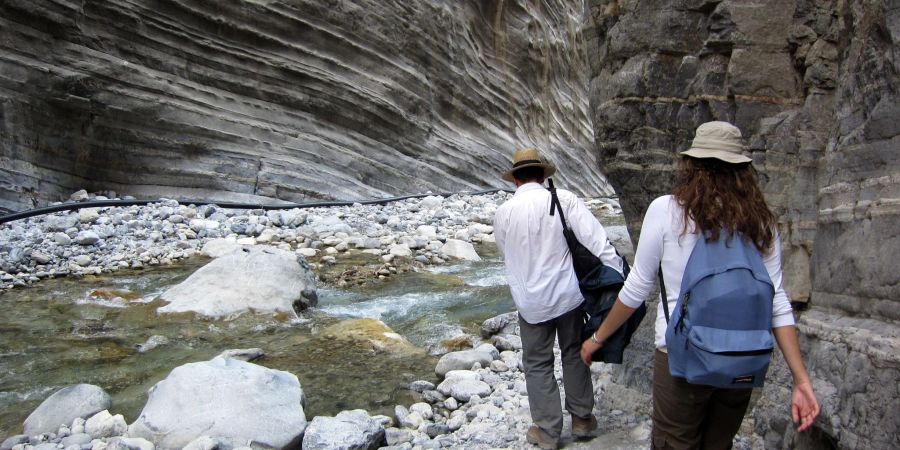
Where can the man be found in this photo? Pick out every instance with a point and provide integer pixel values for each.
(545, 290)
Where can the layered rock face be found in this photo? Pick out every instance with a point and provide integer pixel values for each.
(255, 100)
(813, 87)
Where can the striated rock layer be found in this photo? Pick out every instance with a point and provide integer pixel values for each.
(254, 100)
(813, 86)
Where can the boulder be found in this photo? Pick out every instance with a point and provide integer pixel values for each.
(426, 232)
(504, 323)
(216, 248)
(463, 384)
(505, 342)
(431, 202)
(455, 248)
(87, 238)
(104, 425)
(243, 354)
(226, 399)
(88, 215)
(12, 441)
(261, 279)
(463, 360)
(79, 196)
(349, 430)
(400, 250)
(130, 444)
(64, 406)
(370, 333)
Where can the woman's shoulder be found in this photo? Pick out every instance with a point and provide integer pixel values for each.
(663, 203)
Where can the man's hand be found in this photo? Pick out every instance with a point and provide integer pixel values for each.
(587, 349)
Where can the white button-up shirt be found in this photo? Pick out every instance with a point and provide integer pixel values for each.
(538, 263)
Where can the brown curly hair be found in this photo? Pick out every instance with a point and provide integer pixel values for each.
(716, 195)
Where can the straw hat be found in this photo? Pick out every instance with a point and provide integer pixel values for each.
(719, 140)
(528, 157)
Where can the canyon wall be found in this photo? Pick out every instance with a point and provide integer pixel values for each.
(813, 87)
(257, 100)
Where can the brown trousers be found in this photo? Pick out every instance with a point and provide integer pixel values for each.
(690, 416)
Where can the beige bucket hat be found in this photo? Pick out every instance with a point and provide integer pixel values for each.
(719, 140)
(528, 157)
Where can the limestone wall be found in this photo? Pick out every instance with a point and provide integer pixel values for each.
(293, 99)
(813, 86)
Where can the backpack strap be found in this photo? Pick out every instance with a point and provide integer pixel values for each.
(665, 297)
(555, 205)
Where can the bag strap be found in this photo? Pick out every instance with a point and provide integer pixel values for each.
(555, 205)
(665, 297)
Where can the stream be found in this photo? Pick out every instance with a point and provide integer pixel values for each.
(104, 330)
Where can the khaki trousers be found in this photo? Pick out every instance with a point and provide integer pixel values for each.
(538, 360)
(691, 416)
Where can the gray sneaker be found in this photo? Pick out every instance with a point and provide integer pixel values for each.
(537, 436)
(584, 428)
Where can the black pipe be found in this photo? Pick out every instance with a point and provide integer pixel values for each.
(106, 203)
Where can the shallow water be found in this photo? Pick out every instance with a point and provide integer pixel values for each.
(67, 331)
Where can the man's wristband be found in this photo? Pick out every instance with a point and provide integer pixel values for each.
(594, 338)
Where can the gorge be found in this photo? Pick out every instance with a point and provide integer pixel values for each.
(265, 100)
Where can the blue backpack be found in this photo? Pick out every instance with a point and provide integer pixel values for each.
(721, 330)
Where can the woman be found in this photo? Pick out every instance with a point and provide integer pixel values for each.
(716, 190)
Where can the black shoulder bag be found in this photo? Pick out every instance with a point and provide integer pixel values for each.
(599, 285)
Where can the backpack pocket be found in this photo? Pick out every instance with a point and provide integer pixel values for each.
(728, 358)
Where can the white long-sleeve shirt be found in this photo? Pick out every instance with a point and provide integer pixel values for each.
(662, 240)
(538, 262)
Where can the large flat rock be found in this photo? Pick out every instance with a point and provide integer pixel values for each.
(259, 279)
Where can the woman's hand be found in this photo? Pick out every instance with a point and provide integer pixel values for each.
(587, 349)
(804, 406)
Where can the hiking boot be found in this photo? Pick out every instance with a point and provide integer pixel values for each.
(537, 436)
(583, 428)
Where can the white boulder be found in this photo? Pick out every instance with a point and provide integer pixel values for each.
(261, 279)
(64, 406)
(229, 400)
(455, 248)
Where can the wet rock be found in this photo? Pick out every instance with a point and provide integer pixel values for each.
(464, 360)
(12, 441)
(64, 406)
(243, 354)
(152, 342)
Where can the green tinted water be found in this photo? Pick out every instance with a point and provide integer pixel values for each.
(68, 331)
